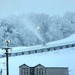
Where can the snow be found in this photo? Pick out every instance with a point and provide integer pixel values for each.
(59, 58)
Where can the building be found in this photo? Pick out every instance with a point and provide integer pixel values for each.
(42, 70)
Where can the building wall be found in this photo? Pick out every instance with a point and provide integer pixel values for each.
(56, 71)
(45, 70)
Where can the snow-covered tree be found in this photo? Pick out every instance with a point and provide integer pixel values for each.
(34, 29)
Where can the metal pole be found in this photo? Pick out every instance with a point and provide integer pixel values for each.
(7, 66)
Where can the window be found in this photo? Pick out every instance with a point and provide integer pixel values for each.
(25, 71)
(39, 71)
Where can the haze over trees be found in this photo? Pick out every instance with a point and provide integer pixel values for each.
(34, 29)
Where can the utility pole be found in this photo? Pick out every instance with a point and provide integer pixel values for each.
(1, 72)
(6, 53)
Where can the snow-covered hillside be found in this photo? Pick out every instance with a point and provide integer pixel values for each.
(59, 58)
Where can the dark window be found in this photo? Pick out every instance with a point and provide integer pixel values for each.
(67, 46)
(25, 71)
(22, 53)
(29, 52)
(73, 45)
(42, 50)
(54, 48)
(60, 47)
(32, 71)
(48, 49)
(35, 51)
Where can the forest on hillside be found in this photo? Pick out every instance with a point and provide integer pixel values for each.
(34, 29)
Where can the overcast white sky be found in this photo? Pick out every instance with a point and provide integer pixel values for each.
(51, 7)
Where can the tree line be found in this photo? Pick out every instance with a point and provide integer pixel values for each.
(34, 29)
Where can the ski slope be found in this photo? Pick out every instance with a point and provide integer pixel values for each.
(59, 58)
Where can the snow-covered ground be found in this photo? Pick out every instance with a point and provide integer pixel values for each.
(59, 58)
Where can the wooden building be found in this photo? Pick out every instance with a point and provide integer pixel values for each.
(42, 70)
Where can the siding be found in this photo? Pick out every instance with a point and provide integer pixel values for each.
(56, 71)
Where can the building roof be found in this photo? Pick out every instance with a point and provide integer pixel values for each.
(23, 65)
(44, 66)
(39, 65)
